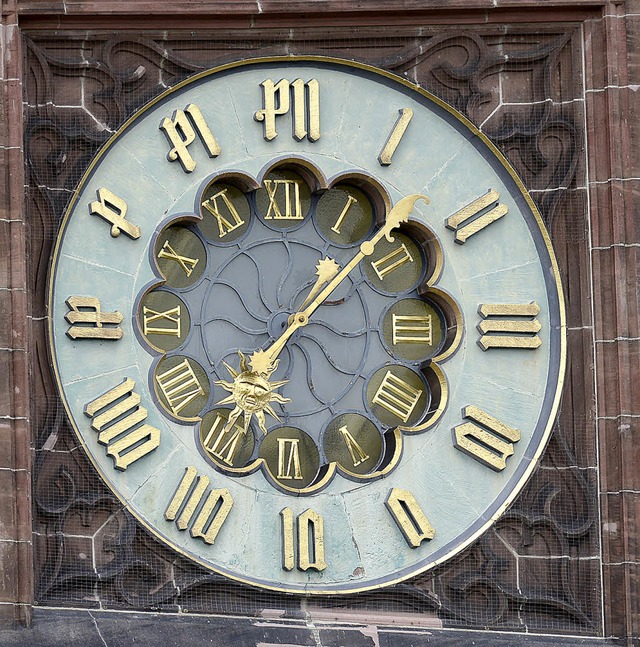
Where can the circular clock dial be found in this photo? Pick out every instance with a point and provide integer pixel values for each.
(307, 324)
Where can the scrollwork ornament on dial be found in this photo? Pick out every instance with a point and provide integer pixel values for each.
(314, 338)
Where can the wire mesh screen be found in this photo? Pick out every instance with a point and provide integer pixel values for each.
(538, 568)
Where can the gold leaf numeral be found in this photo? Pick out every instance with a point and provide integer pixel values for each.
(476, 215)
(310, 540)
(164, 323)
(87, 310)
(113, 209)
(284, 200)
(180, 131)
(487, 439)
(227, 222)
(289, 459)
(179, 385)
(276, 101)
(412, 329)
(222, 443)
(406, 114)
(499, 330)
(350, 201)
(117, 416)
(356, 452)
(409, 516)
(392, 261)
(396, 396)
(185, 501)
(186, 263)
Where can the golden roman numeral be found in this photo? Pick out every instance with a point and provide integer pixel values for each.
(276, 99)
(118, 425)
(310, 541)
(186, 263)
(406, 114)
(396, 396)
(214, 444)
(179, 385)
(224, 225)
(91, 314)
(170, 318)
(290, 191)
(186, 500)
(289, 459)
(412, 329)
(114, 210)
(341, 217)
(511, 333)
(471, 214)
(409, 516)
(490, 444)
(180, 132)
(392, 261)
(358, 455)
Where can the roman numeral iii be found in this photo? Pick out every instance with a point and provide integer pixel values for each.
(509, 325)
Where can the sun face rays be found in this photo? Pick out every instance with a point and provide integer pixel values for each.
(252, 393)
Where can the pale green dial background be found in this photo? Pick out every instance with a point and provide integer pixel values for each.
(509, 262)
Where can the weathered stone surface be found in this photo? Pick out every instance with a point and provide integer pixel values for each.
(535, 115)
(73, 628)
(567, 134)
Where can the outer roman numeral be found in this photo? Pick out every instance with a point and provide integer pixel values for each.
(86, 310)
(181, 130)
(499, 330)
(406, 114)
(409, 516)
(186, 500)
(310, 541)
(116, 415)
(276, 99)
(477, 216)
(113, 209)
(489, 441)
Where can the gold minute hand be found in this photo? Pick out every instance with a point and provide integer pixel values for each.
(263, 360)
(397, 215)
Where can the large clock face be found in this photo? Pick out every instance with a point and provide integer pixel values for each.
(307, 324)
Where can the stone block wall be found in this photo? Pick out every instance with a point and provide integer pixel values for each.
(555, 88)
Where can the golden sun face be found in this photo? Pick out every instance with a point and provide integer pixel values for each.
(252, 394)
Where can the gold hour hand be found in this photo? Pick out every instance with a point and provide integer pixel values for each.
(398, 215)
(326, 269)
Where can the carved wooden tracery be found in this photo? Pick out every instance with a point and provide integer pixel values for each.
(538, 568)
